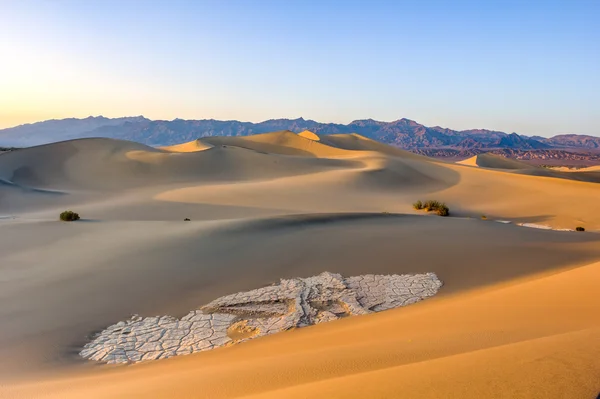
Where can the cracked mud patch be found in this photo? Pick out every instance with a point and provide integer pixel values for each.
(235, 318)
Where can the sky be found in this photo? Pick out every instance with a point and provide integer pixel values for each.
(531, 67)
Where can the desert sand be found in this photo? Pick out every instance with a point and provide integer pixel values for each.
(492, 161)
(191, 146)
(495, 162)
(516, 317)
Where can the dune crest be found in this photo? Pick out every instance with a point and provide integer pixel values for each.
(283, 142)
(190, 146)
(309, 135)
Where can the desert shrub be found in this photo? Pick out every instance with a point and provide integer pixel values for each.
(433, 206)
(69, 216)
(579, 228)
(186, 220)
(483, 217)
(442, 210)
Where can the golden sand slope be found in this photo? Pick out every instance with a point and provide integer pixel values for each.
(190, 146)
(309, 135)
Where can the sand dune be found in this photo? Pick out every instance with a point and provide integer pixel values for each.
(361, 180)
(115, 164)
(585, 176)
(357, 142)
(393, 184)
(495, 162)
(190, 146)
(309, 135)
(585, 169)
(283, 142)
(515, 318)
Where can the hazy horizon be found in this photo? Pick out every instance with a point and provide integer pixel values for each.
(506, 66)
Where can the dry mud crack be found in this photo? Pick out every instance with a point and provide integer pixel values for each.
(296, 302)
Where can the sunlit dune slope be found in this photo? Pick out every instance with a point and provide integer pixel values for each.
(283, 142)
(555, 360)
(190, 146)
(309, 135)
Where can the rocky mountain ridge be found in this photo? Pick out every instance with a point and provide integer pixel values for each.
(404, 133)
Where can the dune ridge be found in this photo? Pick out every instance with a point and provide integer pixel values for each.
(309, 135)
(487, 160)
(190, 146)
(283, 142)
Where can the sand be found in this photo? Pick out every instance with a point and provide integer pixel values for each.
(190, 146)
(309, 135)
(495, 161)
(492, 161)
(283, 142)
(517, 316)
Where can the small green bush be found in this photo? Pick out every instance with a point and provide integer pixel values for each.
(433, 206)
(579, 228)
(69, 216)
(442, 210)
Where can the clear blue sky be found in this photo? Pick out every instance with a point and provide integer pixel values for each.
(527, 66)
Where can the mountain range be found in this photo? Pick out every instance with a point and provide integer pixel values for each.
(404, 133)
